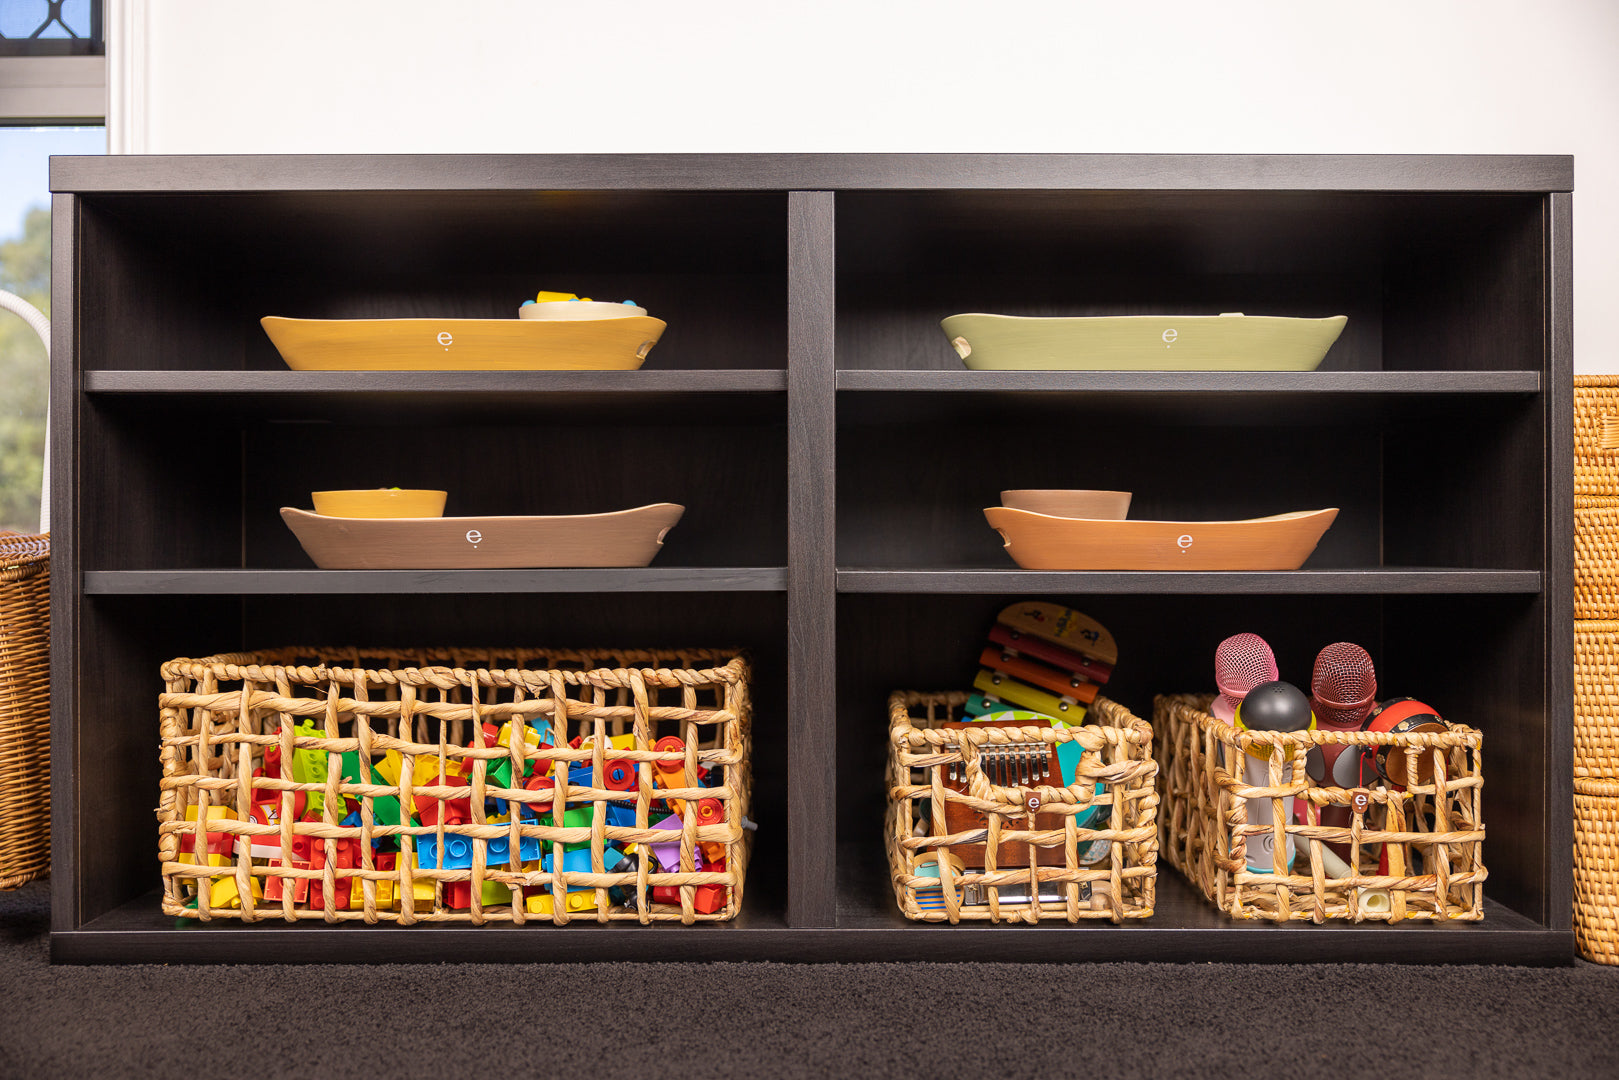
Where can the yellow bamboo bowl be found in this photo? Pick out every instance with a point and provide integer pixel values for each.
(380, 503)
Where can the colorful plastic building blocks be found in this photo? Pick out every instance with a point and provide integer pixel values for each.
(576, 900)
(220, 845)
(309, 766)
(458, 894)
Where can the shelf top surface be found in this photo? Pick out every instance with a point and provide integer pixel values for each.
(760, 172)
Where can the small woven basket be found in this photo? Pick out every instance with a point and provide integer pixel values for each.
(1596, 435)
(1596, 869)
(25, 708)
(1206, 831)
(396, 809)
(1107, 869)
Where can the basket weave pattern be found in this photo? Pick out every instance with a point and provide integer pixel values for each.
(1118, 755)
(1596, 869)
(1206, 831)
(1596, 435)
(1596, 699)
(25, 708)
(222, 714)
(1596, 557)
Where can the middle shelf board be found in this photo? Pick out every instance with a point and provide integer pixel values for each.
(1076, 582)
(228, 582)
(707, 397)
(361, 582)
(1198, 398)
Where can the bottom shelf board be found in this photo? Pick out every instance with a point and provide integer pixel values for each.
(1185, 929)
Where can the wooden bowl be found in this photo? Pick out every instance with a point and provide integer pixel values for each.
(380, 503)
(1075, 503)
(464, 344)
(579, 309)
(624, 538)
(1233, 342)
(1043, 542)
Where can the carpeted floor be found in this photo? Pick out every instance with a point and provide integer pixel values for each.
(594, 1022)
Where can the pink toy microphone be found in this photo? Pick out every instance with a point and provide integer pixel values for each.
(1241, 662)
(1343, 691)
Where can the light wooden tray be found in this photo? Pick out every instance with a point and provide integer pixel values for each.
(464, 344)
(623, 538)
(1043, 542)
(1142, 342)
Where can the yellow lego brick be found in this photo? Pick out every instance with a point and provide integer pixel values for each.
(577, 900)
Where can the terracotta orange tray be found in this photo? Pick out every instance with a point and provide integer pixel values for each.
(1043, 542)
(623, 538)
(464, 344)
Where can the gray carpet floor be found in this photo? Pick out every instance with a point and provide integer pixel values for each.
(647, 1021)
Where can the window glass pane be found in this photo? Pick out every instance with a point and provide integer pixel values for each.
(25, 269)
(50, 27)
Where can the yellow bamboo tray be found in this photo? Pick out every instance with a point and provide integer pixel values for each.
(464, 344)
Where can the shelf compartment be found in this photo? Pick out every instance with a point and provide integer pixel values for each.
(363, 582)
(126, 638)
(189, 490)
(1426, 646)
(1458, 486)
(186, 281)
(1456, 284)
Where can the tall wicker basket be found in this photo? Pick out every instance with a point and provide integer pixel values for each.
(25, 711)
(1596, 666)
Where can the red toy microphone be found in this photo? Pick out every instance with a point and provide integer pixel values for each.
(1343, 687)
(1343, 692)
(1241, 662)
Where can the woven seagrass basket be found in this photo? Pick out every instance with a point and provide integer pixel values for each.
(1596, 869)
(1596, 435)
(464, 786)
(1089, 850)
(25, 708)
(1432, 834)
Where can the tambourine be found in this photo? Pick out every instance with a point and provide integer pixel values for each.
(1403, 716)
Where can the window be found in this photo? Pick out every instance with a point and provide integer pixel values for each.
(25, 270)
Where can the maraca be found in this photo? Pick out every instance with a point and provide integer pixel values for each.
(1272, 706)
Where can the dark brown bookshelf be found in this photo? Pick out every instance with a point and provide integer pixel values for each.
(834, 458)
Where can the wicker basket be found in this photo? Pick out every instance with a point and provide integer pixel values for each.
(25, 712)
(300, 763)
(1103, 869)
(1596, 557)
(1596, 699)
(1596, 869)
(1596, 435)
(1206, 831)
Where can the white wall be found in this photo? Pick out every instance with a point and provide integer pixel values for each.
(1283, 76)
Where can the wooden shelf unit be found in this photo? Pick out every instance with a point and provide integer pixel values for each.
(834, 458)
